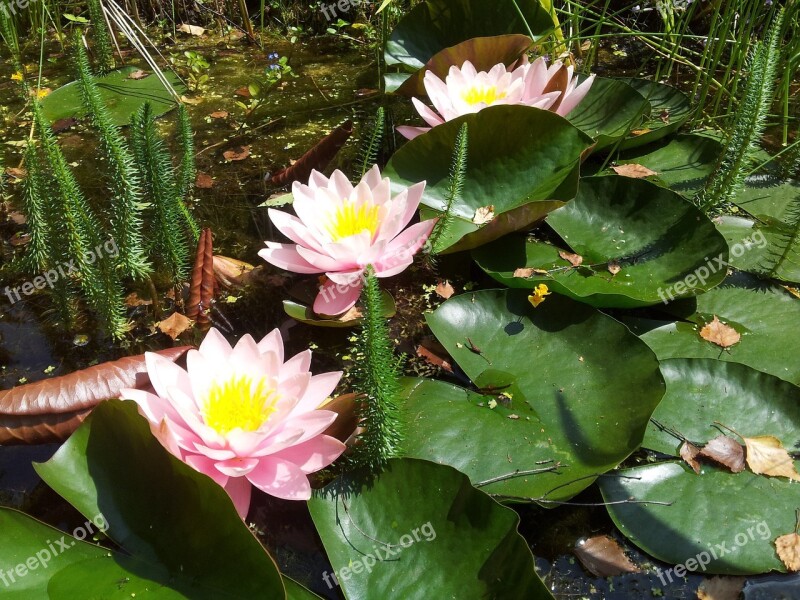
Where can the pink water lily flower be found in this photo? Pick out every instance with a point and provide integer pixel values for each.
(467, 91)
(340, 229)
(243, 416)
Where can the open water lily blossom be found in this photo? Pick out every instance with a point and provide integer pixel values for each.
(243, 416)
(465, 91)
(340, 229)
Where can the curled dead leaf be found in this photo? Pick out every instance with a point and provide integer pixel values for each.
(174, 325)
(602, 556)
(483, 215)
(203, 181)
(444, 289)
(191, 29)
(432, 354)
(766, 456)
(237, 153)
(633, 171)
(219, 114)
(523, 272)
(689, 453)
(720, 588)
(203, 283)
(318, 157)
(233, 273)
(788, 549)
(576, 260)
(138, 74)
(726, 451)
(720, 334)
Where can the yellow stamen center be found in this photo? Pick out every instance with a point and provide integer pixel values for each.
(485, 95)
(351, 219)
(240, 403)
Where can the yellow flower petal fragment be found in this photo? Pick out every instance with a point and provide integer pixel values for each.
(539, 292)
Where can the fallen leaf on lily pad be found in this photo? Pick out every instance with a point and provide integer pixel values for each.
(139, 74)
(237, 153)
(434, 359)
(174, 325)
(191, 29)
(576, 260)
(726, 451)
(203, 181)
(766, 456)
(788, 549)
(720, 588)
(483, 215)
(633, 171)
(613, 267)
(689, 453)
(444, 289)
(602, 556)
(720, 334)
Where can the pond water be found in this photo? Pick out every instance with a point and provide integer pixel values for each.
(334, 82)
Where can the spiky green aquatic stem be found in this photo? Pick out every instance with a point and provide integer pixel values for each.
(77, 234)
(458, 173)
(377, 378)
(748, 127)
(40, 253)
(187, 171)
(371, 142)
(172, 224)
(8, 32)
(125, 198)
(102, 39)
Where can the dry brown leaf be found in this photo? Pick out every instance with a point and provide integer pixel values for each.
(20, 239)
(523, 272)
(637, 132)
(689, 453)
(17, 217)
(133, 299)
(720, 334)
(444, 289)
(219, 114)
(725, 451)
(613, 267)
(174, 325)
(203, 181)
(576, 260)
(720, 588)
(244, 92)
(237, 153)
(788, 549)
(483, 215)
(792, 290)
(766, 456)
(192, 101)
(16, 173)
(191, 29)
(633, 171)
(603, 557)
(351, 315)
(432, 358)
(138, 74)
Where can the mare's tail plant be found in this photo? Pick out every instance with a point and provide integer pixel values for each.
(187, 171)
(371, 143)
(75, 232)
(458, 172)
(102, 38)
(377, 377)
(748, 126)
(174, 228)
(124, 184)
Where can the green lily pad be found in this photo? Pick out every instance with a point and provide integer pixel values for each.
(609, 111)
(669, 109)
(655, 237)
(484, 53)
(435, 25)
(682, 163)
(401, 530)
(770, 248)
(702, 391)
(153, 504)
(737, 516)
(584, 376)
(305, 314)
(524, 174)
(767, 196)
(767, 316)
(122, 95)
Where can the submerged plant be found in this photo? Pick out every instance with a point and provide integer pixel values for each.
(341, 229)
(243, 416)
(466, 91)
(748, 126)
